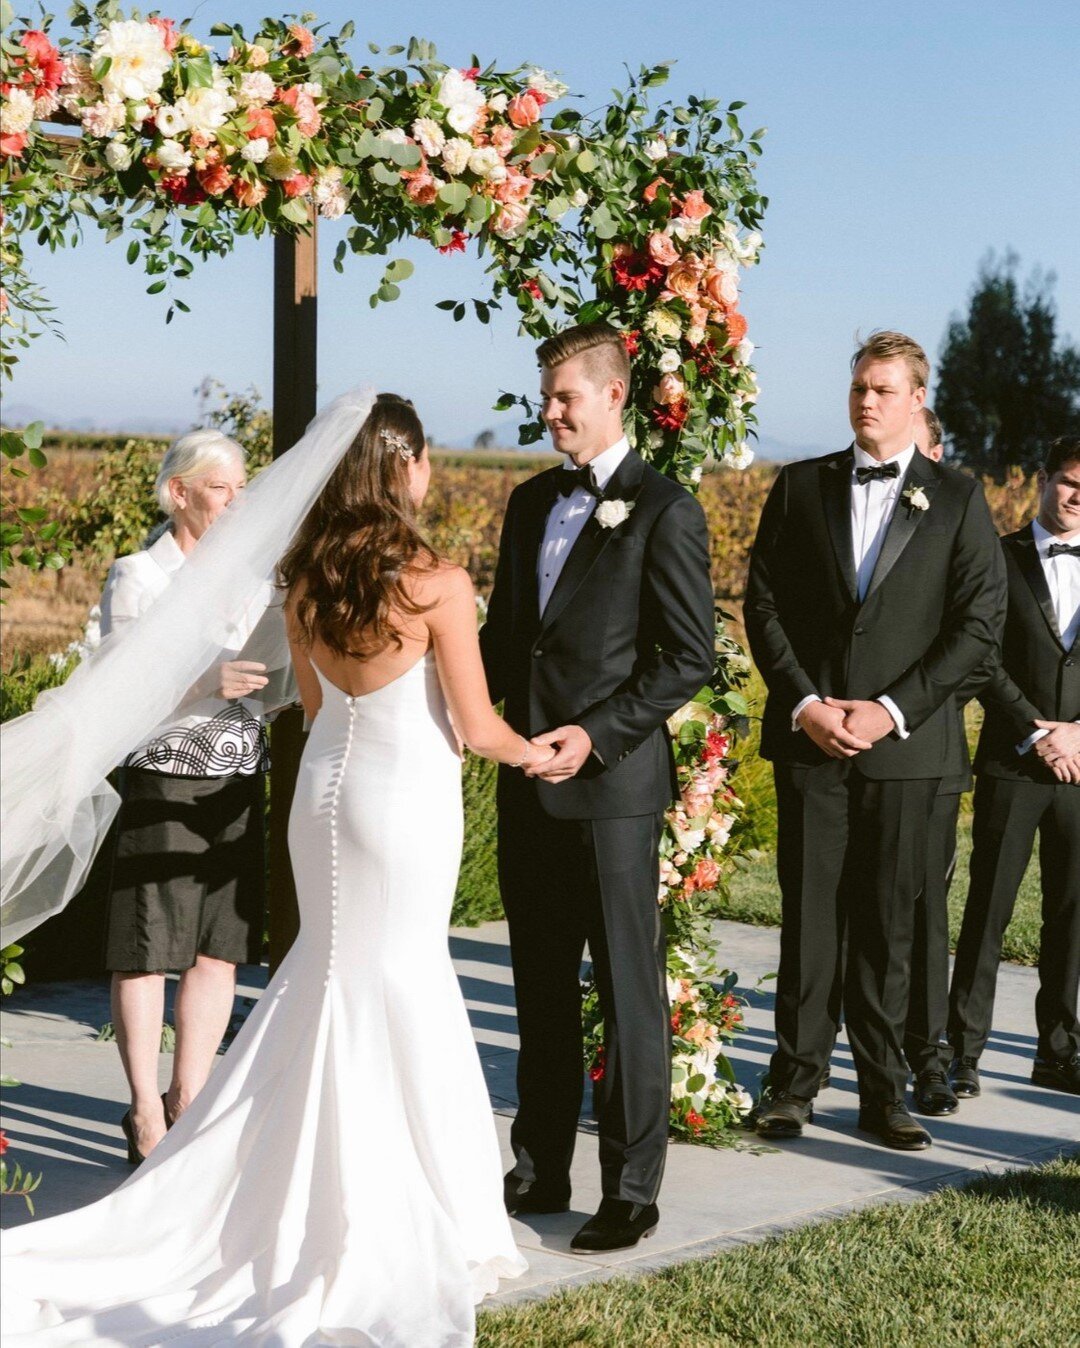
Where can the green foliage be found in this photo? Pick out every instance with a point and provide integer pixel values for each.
(11, 971)
(28, 537)
(25, 678)
(115, 517)
(1006, 386)
(477, 899)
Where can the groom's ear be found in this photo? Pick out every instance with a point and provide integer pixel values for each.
(617, 392)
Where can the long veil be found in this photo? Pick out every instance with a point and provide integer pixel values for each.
(57, 803)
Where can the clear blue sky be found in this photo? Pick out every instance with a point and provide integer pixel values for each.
(904, 142)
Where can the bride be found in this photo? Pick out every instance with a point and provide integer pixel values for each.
(337, 1182)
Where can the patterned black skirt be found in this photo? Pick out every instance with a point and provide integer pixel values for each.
(189, 872)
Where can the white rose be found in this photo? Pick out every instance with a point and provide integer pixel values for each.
(498, 102)
(430, 134)
(482, 161)
(573, 144)
(206, 109)
(740, 1100)
(681, 228)
(102, 119)
(118, 156)
(170, 120)
(395, 136)
(744, 350)
(498, 173)
(695, 335)
(18, 112)
(138, 59)
(256, 86)
(739, 456)
(255, 151)
(279, 165)
(656, 149)
(462, 100)
(314, 88)
(669, 362)
(656, 439)
(455, 155)
(579, 198)
(172, 157)
(546, 84)
(610, 514)
(138, 113)
(695, 474)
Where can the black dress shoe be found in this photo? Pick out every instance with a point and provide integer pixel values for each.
(1059, 1074)
(618, 1225)
(784, 1116)
(892, 1124)
(933, 1094)
(534, 1196)
(826, 1078)
(964, 1077)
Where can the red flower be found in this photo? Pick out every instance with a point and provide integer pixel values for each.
(45, 57)
(458, 240)
(671, 417)
(184, 189)
(716, 746)
(169, 34)
(694, 1121)
(632, 340)
(532, 288)
(11, 146)
(470, 73)
(596, 1071)
(3, 1142)
(676, 1020)
(637, 271)
(261, 124)
(297, 185)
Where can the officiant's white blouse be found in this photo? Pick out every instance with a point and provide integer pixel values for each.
(215, 736)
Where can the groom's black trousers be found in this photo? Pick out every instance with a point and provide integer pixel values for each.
(851, 855)
(566, 882)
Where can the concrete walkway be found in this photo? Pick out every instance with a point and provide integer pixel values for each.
(64, 1118)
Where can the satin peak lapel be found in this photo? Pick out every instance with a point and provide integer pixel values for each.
(533, 523)
(905, 518)
(836, 501)
(593, 539)
(1027, 557)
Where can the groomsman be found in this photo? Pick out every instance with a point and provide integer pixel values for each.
(876, 588)
(1028, 781)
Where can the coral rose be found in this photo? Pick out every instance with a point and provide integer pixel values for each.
(684, 278)
(261, 124)
(422, 188)
(706, 873)
(308, 119)
(515, 187)
(301, 41)
(249, 194)
(511, 219)
(721, 288)
(215, 179)
(523, 110)
(650, 192)
(695, 207)
(298, 185)
(662, 250)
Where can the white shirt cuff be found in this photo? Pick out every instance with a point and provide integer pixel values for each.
(798, 710)
(897, 715)
(1033, 738)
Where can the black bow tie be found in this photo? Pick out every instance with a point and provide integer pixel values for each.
(569, 480)
(878, 474)
(1063, 550)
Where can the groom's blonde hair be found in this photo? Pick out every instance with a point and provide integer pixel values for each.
(600, 343)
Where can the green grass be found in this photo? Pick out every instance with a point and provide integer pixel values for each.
(989, 1264)
(755, 898)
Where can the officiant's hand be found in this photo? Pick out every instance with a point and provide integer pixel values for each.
(572, 747)
(825, 725)
(867, 721)
(242, 678)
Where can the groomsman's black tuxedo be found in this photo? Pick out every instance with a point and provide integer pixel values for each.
(1016, 795)
(626, 638)
(853, 833)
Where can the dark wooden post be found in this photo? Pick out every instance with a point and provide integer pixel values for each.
(295, 335)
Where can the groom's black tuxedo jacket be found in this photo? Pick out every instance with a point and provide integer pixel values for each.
(627, 637)
(933, 611)
(1037, 677)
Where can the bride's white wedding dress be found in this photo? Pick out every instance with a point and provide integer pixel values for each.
(337, 1182)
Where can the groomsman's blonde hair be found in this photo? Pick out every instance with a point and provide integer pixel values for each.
(888, 345)
(602, 344)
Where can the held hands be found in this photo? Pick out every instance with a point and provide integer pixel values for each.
(1060, 749)
(572, 746)
(825, 723)
(241, 678)
(867, 721)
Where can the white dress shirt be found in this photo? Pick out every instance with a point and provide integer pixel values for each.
(1063, 580)
(569, 516)
(872, 506)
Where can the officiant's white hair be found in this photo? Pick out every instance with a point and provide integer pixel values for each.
(194, 455)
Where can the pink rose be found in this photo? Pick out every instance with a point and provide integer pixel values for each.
(669, 390)
(515, 188)
(215, 179)
(503, 140)
(523, 110)
(662, 250)
(169, 35)
(684, 278)
(297, 185)
(721, 288)
(695, 207)
(421, 188)
(301, 41)
(511, 219)
(308, 119)
(249, 194)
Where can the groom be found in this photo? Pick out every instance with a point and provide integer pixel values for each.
(600, 626)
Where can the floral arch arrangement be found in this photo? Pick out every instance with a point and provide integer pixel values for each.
(638, 215)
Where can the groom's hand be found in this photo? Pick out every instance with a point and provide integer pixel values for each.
(572, 747)
(867, 721)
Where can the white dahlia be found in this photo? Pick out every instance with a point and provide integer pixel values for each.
(138, 59)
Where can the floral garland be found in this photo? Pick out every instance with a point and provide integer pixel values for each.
(641, 216)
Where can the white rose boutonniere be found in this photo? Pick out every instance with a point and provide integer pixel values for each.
(612, 513)
(916, 499)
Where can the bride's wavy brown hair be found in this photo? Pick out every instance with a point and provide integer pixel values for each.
(346, 565)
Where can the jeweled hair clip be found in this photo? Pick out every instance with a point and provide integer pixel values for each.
(396, 444)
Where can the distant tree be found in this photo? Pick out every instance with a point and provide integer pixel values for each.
(1006, 387)
(485, 440)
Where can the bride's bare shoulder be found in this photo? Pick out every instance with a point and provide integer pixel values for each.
(441, 583)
